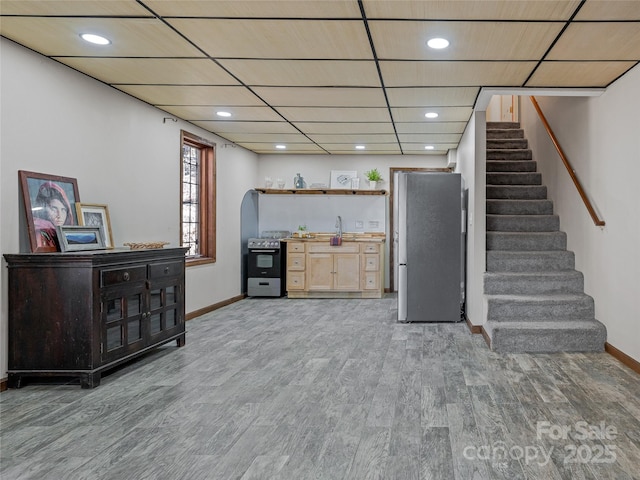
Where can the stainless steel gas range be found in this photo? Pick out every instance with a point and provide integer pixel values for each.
(267, 265)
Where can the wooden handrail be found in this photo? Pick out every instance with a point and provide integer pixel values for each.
(563, 157)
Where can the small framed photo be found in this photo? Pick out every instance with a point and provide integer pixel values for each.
(96, 215)
(76, 237)
(48, 203)
(342, 178)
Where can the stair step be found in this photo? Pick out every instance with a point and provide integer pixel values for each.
(533, 283)
(538, 337)
(540, 307)
(523, 223)
(504, 133)
(519, 207)
(507, 143)
(506, 154)
(530, 261)
(511, 166)
(517, 192)
(527, 241)
(514, 178)
(502, 125)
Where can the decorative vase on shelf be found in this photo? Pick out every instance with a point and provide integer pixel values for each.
(373, 184)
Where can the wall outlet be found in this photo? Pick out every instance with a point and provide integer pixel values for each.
(374, 224)
(359, 224)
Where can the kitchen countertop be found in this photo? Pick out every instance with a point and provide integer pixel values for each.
(346, 237)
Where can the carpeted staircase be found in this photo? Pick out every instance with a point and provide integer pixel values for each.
(534, 297)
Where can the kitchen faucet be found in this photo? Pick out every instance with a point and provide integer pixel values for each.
(339, 226)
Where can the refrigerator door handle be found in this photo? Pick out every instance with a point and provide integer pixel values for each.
(402, 293)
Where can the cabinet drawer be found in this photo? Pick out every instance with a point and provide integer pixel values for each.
(296, 261)
(371, 281)
(295, 247)
(123, 275)
(346, 247)
(165, 269)
(370, 248)
(295, 281)
(371, 263)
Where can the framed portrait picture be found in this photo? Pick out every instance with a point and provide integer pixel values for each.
(48, 203)
(342, 178)
(96, 215)
(78, 237)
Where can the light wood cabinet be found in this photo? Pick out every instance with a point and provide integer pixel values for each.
(319, 270)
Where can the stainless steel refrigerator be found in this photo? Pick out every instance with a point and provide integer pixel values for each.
(430, 244)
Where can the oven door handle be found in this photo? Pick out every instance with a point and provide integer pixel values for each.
(253, 250)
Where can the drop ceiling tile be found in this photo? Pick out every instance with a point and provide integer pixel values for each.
(430, 138)
(354, 139)
(469, 40)
(419, 146)
(578, 74)
(269, 38)
(430, 128)
(345, 127)
(293, 148)
(472, 9)
(608, 10)
(229, 126)
(256, 8)
(373, 149)
(130, 37)
(428, 73)
(347, 114)
(272, 138)
(321, 73)
(73, 7)
(445, 114)
(598, 41)
(432, 96)
(192, 95)
(151, 70)
(238, 113)
(322, 96)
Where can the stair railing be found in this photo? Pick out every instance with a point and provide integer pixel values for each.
(565, 161)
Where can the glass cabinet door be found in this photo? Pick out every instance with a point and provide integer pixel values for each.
(164, 302)
(122, 321)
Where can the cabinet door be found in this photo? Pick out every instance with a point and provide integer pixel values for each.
(164, 315)
(123, 312)
(319, 271)
(346, 267)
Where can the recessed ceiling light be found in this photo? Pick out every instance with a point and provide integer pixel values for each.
(281, 147)
(431, 115)
(223, 114)
(97, 39)
(429, 147)
(360, 147)
(438, 43)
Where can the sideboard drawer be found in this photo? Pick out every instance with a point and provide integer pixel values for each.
(123, 275)
(166, 269)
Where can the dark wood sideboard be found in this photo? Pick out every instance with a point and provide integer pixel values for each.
(81, 313)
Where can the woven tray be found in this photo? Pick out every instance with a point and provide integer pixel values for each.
(139, 245)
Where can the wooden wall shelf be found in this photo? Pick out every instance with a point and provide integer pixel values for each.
(318, 191)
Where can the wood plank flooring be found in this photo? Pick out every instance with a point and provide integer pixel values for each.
(330, 389)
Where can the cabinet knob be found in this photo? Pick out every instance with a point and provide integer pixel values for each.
(126, 276)
(166, 269)
(144, 315)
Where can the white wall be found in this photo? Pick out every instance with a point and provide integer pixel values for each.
(471, 164)
(58, 121)
(600, 136)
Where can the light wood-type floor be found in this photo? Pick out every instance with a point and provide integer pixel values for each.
(330, 389)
